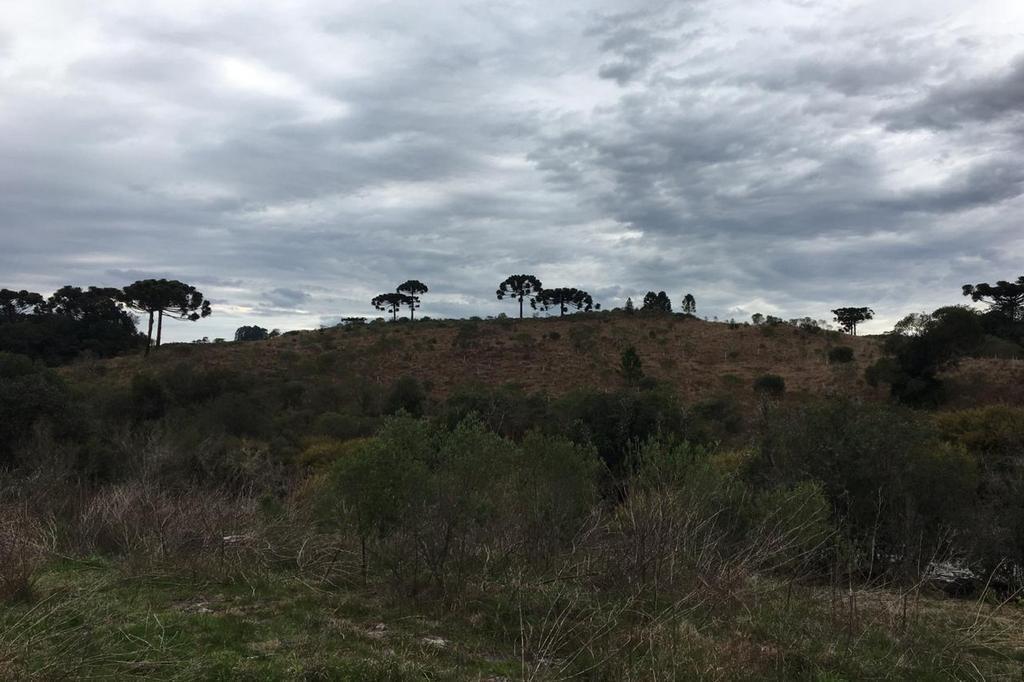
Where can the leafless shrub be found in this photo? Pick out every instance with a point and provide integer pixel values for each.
(146, 525)
(20, 555)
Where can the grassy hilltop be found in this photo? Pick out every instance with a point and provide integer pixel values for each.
(551, 355)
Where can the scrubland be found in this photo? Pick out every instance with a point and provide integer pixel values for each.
(497, 499)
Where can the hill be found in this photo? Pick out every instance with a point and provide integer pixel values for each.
(551, 355)
(256, 509)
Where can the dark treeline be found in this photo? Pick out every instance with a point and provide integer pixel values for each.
(922, 345)
(96, 321)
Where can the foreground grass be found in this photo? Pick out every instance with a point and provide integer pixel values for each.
(91, 621)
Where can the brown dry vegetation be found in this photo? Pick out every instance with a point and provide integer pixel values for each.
(986, 381)
(550, 355)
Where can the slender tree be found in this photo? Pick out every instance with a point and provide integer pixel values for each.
(165, 297)
(520, 287)
(390, 302)
(631, 366)
(689, 304)
(412, 289)
(1005, 297)
(849, 318)
(564, 298)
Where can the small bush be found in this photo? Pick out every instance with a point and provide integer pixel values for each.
(325, 451)
(631, 367)
(523, 341)
(437, 506)
(897, 489)
(507, 409)
(405, 394)
(840, 354)
(146, 525)
(582, 337)
(239, 414)
(614, 422)
(188, 385)
(149, 400)
(341, 426)
(29, 394)
(770, 385)
(467, 336)
(714, 420)
(995, 347)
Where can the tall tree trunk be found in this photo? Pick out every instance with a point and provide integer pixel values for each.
(149, 333)
(520, 306)
(412, 311)
(394, 314)
(159, 327)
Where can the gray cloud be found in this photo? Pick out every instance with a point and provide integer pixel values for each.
(282, 297)
(952, 104)
(293, 161)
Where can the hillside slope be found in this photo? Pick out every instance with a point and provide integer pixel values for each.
(552, 355)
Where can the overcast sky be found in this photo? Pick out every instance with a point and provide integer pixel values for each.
(293, 159)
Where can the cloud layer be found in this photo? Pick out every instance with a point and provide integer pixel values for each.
(293, 159)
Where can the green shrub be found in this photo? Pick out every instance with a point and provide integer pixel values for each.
(405, 394)
(840, 354)
(770, 385)
(238, 414)
(13, 366)
(421, 498)
(341, 426)
(688, 521)
(149, 400)
(915, 361)
(524, 341)
(995, 347)
(467, 336)
(582, 337)
(994, 433)
(29, 394)
(895, 488)
(631, 367)
(554, 488)
(614, 422)
(437, 506)
(713, 420)
(188, 385)
(994, 436)
(507, 409)
(321, 452)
